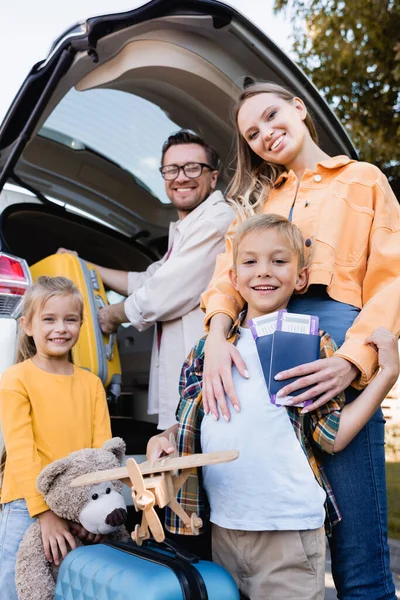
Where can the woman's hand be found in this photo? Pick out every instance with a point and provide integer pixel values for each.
(220, 355)
(55, 535)
(327, 376)
(386, 344)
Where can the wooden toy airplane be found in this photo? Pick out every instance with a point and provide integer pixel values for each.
(157, 483)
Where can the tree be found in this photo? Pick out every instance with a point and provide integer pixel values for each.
(351, 51)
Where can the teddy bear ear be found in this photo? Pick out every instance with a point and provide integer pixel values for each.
(46, 478)
(116, 446)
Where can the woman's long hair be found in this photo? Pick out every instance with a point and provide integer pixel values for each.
(254, 177)
(34, 299)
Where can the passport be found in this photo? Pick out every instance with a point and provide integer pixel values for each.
(290, 350)
(285, 340)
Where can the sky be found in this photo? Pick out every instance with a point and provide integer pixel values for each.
(28, 27)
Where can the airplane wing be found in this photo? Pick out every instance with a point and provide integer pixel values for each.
(158, 466)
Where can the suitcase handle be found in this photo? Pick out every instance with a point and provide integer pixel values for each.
(174, 548)
(109, 348)
(149, 544)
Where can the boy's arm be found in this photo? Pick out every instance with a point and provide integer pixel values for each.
(334, 425)
(159, 444)
(356, 414)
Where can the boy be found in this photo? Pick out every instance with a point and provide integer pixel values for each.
(268, 507)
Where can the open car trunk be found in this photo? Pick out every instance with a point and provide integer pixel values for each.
(35, 231)
(86, 131)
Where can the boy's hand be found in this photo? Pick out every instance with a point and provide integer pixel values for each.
(158, 446)
(55, 535)
(386, 345)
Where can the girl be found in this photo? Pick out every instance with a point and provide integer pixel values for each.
(48, 408)
(350, 220)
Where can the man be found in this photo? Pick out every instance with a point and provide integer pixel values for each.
(167, 294)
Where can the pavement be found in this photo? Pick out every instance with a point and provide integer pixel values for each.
(330, 592)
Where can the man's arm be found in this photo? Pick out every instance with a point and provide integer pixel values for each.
(112, 278)
(174, 289)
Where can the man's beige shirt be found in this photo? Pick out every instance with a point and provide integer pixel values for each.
(169, 291)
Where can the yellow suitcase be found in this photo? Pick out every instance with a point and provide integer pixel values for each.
(95, 351)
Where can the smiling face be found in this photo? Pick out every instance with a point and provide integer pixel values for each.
(274, 128)
(55, 329)
(266, 272)
(185, 193)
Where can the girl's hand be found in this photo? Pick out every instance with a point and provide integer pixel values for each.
(220, 355)
(55, 535)
(84, 535)
(327, 376)
(386, 345)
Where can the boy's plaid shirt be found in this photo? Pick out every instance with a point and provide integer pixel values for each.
(316, 432)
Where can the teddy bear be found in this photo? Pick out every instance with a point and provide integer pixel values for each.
(99, 508)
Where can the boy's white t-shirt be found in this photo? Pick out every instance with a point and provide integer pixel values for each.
(271, 486)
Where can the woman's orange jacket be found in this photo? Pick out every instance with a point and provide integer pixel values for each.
(350, 220)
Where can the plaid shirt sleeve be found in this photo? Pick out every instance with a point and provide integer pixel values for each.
(324, 421)
(189, 413)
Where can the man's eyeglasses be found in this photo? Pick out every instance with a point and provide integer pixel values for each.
(191, 170)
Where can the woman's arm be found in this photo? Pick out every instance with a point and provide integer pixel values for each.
(219, 356)
(355, 362)
(222, 304)
(221, 296)
(381, 285)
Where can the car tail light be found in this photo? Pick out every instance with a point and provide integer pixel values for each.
(14, 280)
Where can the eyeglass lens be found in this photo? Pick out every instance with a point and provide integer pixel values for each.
(191, 170)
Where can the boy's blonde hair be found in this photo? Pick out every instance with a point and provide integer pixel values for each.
(34, 299)
(259, 223)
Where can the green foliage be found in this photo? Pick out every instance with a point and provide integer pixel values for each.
(393, 493)
(351, 51)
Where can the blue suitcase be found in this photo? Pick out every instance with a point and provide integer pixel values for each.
(125, 571)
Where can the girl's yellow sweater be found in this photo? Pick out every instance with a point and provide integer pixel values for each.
(44, 417)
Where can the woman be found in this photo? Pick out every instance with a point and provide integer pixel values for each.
(350, 220)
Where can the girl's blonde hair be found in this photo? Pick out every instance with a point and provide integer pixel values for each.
(34, 300)
(254, 177)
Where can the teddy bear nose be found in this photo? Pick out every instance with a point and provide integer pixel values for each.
(117, 517)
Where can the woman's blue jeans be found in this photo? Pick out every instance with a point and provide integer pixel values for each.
(359, 545)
